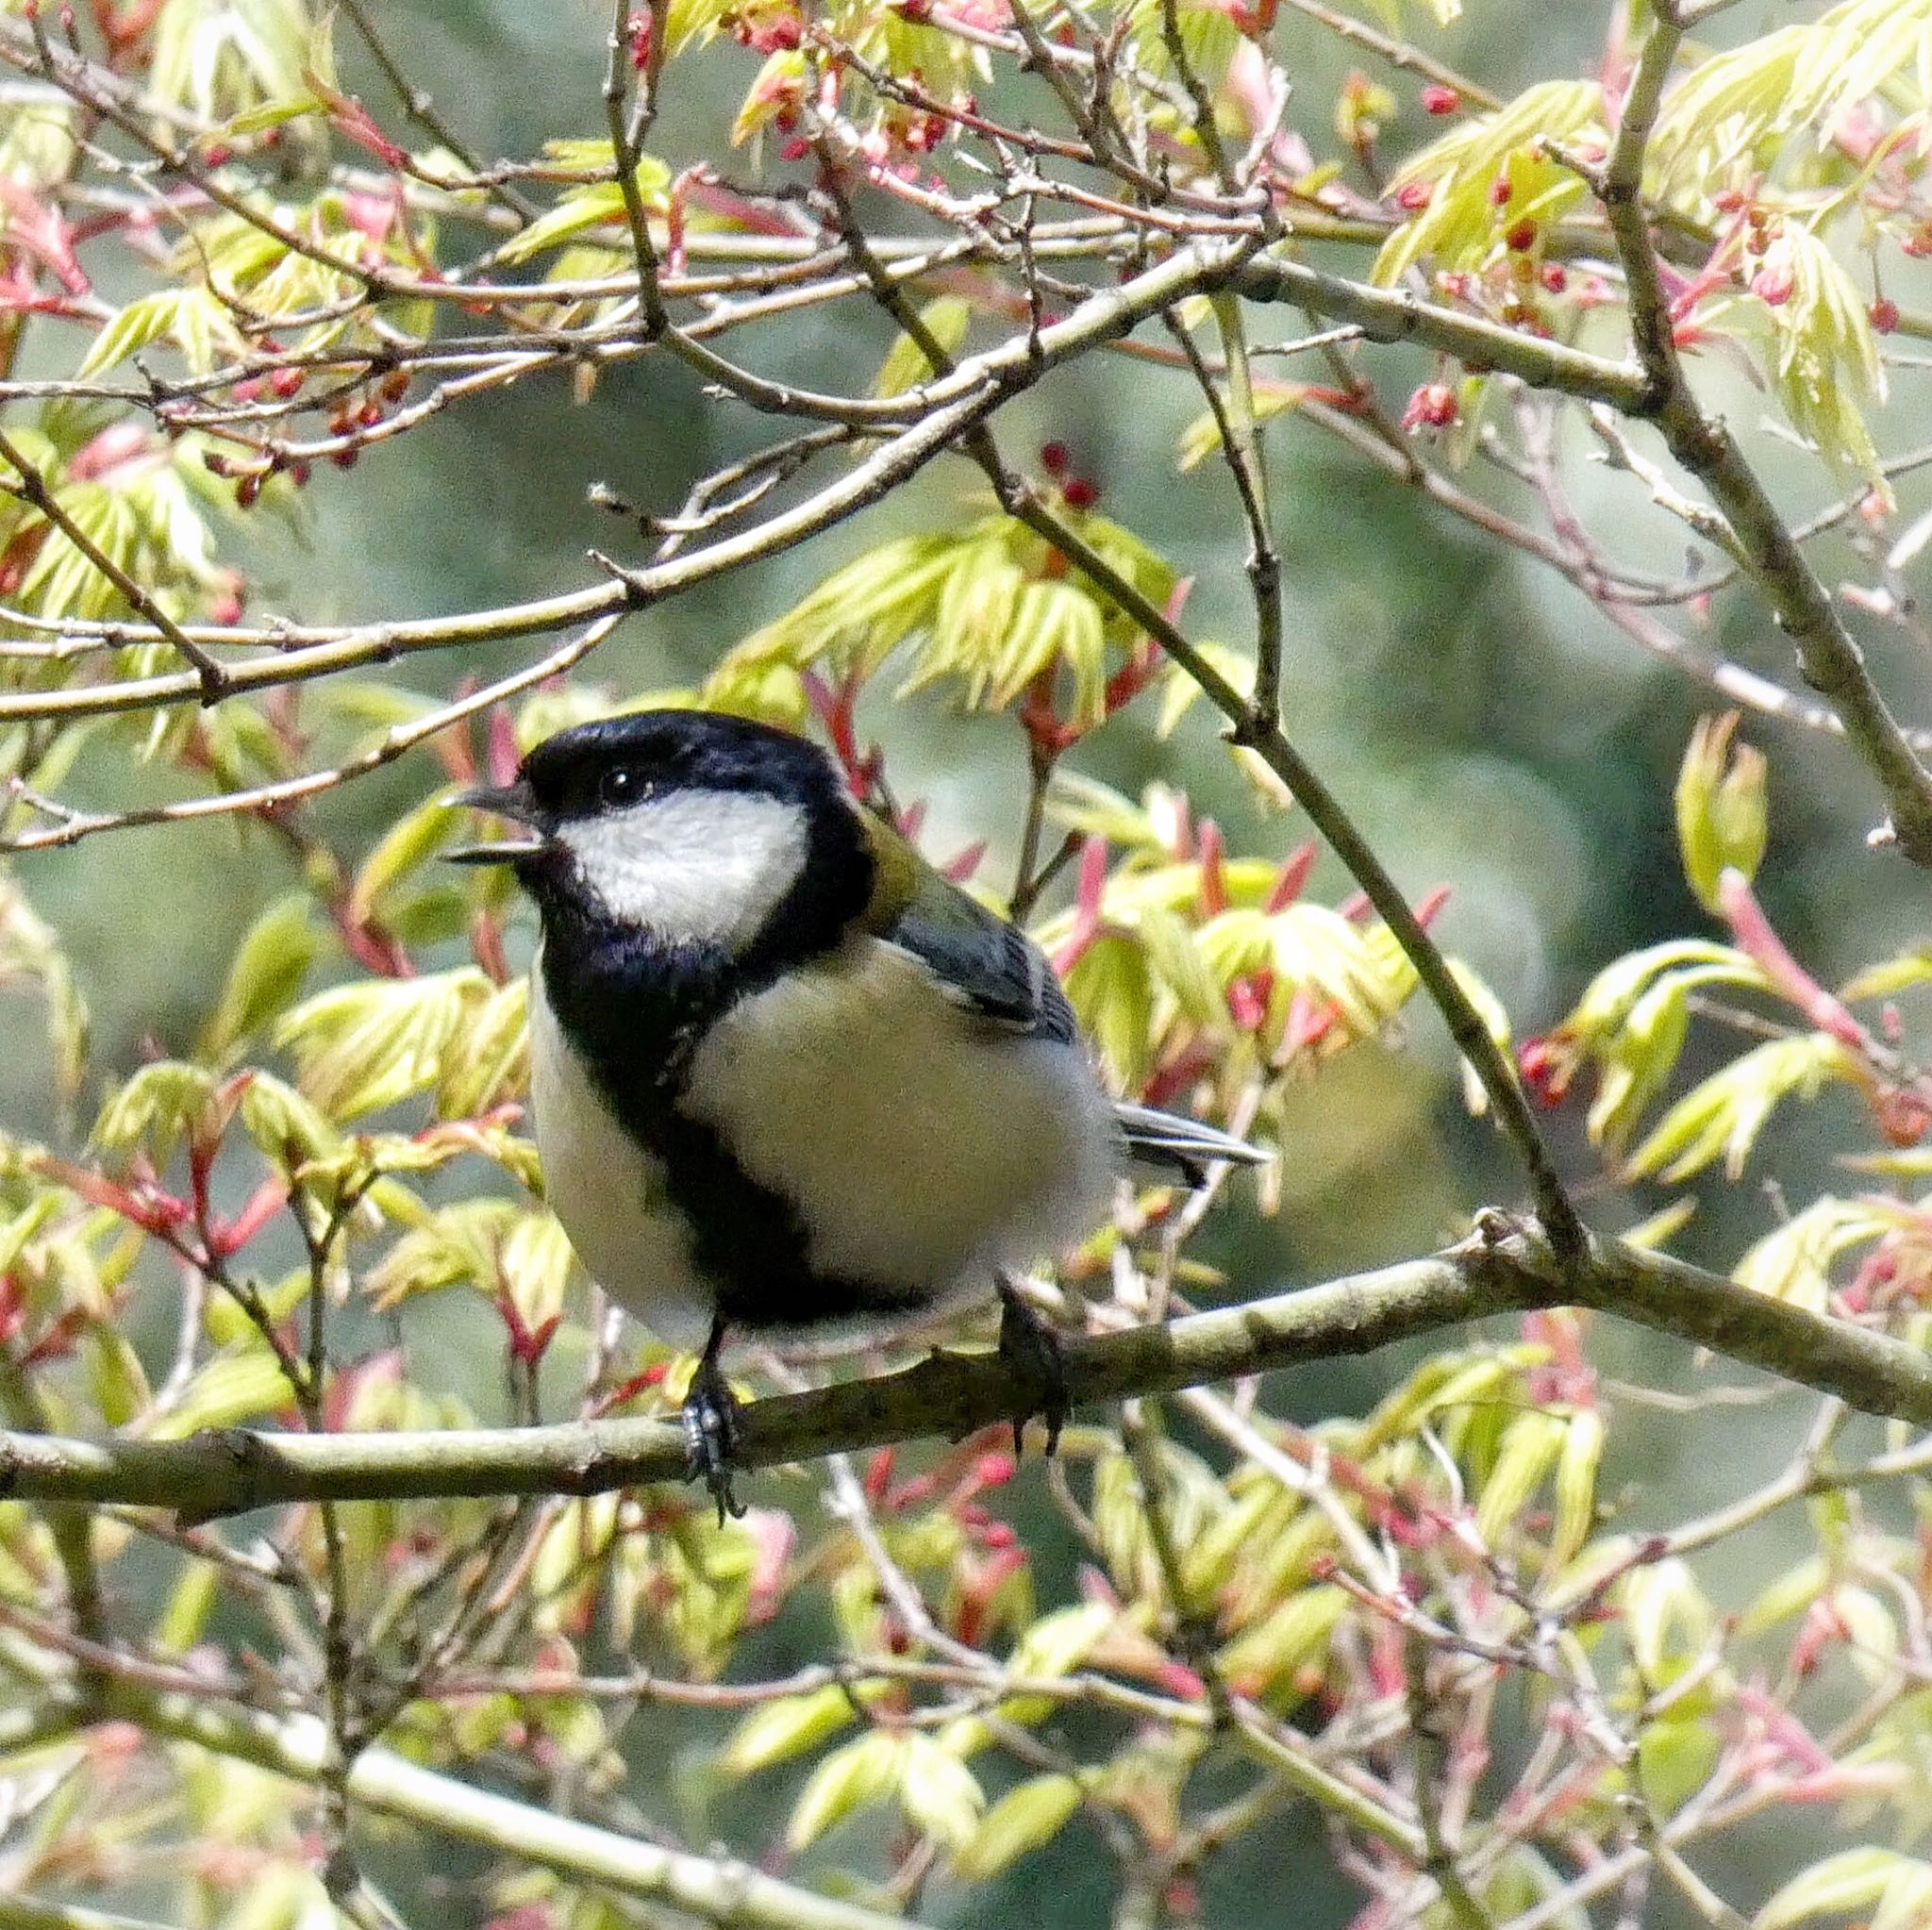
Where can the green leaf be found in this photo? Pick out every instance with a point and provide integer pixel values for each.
(1531, 1444)
(1723, 1115)
(589, 206)
(1906, 1900)
(1201, 438)
(1268, 1655)
(1667, 1619)
(1674, 1760)
(1577, 1467)
(788, 1727)
(1826, 366)
(940, 1795)
(157, 1104)
(1463, 223)
(190, 1603)
(1111, 992)
(946, 319)
(1737, 109)
(409, 843)
(1791, 1594)
(367, 1044)
(488, 1060)
(1793, 1261)
(1721, 819)
(1890, 978)
(290, 1130)
(114, 1374)
(849, 1779)
(266, 976)
(230, 1389)
(191, 316)
(1850, 1881)
(1027, 1817)
(458, 1245)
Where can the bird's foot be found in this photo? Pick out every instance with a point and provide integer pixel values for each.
(712, 1429)
(1032, 1350)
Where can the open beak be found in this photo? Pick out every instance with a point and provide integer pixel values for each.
(511, 801)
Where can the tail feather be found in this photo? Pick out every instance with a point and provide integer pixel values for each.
(1168, 1143)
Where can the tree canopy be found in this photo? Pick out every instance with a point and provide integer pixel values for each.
(341, 1517)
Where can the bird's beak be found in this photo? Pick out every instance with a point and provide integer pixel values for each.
(511, 801)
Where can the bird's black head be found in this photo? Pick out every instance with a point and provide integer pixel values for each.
(687, 828)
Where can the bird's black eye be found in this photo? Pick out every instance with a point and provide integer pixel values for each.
(619, 785)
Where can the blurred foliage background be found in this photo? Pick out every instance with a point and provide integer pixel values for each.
(1489, 728)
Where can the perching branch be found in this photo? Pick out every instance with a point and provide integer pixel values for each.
(1504, 1268)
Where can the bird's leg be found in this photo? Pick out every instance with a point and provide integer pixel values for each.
(1033, 1351)
(710, 1426)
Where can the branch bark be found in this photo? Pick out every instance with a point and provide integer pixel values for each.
(721, 1891)
(1504, 1267)
(1828, 655)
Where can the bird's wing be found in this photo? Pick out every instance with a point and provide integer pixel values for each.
(988, 964)
(1165, 1143)
(979, 957)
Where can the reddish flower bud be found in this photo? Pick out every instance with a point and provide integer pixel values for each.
(286, 382)
(779, 36)
(1522, 234)
(1500, 191)
(1441, 100)
(1773, 286)
(1055, 458)
(1413, 196)
(1079, 493)
(1556, 277)
(1884, 315)
(1432, 406)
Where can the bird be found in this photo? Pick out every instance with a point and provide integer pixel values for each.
(786, 1078)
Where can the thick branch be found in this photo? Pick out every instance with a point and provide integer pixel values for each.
(715, 1892)
(1830, 658)
(1394, 315)
(953, 402)
(1505, 1268)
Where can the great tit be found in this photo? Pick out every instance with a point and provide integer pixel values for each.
(786, 1078)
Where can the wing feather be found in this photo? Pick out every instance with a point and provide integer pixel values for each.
(988, 964)
(983, 960)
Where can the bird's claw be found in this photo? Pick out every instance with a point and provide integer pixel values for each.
(1032, 1350)
(709, 1419)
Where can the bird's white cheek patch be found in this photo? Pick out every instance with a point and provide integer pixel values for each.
(705, 865)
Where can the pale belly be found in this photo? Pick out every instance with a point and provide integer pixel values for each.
(922, 1149)
(925, 1147)
(610, 1193)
